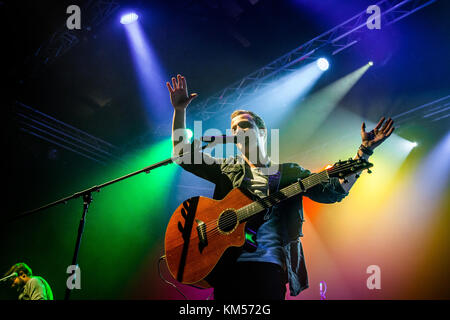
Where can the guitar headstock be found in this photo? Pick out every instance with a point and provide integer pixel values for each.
(342, 169)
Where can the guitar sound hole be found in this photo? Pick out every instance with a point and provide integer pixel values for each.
(227, 221)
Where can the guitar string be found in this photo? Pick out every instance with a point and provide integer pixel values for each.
(228, 222)
(231, 221)
(311, 179)
(259, 201)
(214, 232)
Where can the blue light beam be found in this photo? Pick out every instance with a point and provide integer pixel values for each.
(150, 75)
(276, 100)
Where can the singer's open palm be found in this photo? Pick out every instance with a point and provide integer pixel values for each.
(380, 133)
(179, 96)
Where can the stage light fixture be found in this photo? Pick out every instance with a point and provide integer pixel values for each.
(129, 18)
(323, 64)
(370, 63)
(414, 144)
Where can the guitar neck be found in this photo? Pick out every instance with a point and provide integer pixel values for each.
(283, 194)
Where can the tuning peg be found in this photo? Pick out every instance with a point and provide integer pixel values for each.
(350, 159)
(357, 176)
(345, 180)
(368, 171)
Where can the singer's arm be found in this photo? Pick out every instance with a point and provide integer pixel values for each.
(348, 182)
(179, 133)
(369, 141)
(180, 100)
(196, 162)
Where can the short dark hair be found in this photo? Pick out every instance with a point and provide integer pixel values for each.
(21, 266)
(258, 120)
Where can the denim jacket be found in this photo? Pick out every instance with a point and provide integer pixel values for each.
(227, 175)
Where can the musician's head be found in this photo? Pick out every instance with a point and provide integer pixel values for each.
(24, 274)
(248, 123)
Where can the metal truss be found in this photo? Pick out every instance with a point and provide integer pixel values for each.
(433, 111)
(335, 40)
(93, 13)
(47, 128)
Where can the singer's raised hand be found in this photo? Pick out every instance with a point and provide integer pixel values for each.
(179, 96)
(380, 133)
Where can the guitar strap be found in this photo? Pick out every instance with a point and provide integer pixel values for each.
(274, 185)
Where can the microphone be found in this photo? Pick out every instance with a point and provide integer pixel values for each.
(12, 275)
(219, 139)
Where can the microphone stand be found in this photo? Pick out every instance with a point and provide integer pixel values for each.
(87, 199)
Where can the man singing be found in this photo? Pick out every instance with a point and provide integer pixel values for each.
(262, 273)
(28, 286)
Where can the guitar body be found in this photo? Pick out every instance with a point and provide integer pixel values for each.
(192, 254)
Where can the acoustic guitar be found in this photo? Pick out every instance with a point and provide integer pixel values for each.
(201, 229)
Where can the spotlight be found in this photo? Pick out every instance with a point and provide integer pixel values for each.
(323, 64)
(370, 63)
(414, 144)
(129, 18)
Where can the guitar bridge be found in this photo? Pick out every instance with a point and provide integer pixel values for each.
(201, 231)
